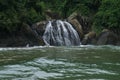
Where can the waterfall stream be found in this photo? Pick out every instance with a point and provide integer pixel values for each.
(60, 33)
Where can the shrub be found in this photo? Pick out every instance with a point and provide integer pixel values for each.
(108, 16)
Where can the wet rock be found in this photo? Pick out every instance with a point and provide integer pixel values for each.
(89, 38)
(39, 27)
(107, 37)
(83, 21)
(32, 35)
(77, 27)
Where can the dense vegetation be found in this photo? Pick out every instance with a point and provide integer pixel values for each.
(104, 13)
(108, 16)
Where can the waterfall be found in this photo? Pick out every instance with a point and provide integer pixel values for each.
(60, 33)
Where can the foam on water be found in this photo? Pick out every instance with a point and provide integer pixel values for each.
(66, 63)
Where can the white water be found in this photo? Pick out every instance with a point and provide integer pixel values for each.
(60, 33)
(84, 62)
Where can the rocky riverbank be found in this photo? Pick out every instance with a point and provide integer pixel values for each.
(32, 35)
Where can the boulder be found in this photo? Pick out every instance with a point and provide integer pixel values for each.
(77, 26)
(83, 21)
(39, 27)
(107, 37)
(89, 38)
(25, 36)
(32, 35)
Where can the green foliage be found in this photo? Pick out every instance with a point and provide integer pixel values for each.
(14, 12)
(75, 6)
(66, 7)
(108, 15)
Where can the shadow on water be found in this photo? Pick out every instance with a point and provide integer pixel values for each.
(60, 63)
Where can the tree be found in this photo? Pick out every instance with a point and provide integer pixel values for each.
(108, 16)
(14, 12)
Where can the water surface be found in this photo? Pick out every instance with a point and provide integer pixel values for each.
(60, 63)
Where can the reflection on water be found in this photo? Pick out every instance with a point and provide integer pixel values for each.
(60, 63)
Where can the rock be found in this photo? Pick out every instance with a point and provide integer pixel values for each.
(77, 27)
(39, 27)
(72, 16)
(13, 41)
(118, 43)
(89, 38)
(22, 37)
(83, 21)
(17, 41)
(52, 15)
(26, 29)
(107, 37)
(32, 35)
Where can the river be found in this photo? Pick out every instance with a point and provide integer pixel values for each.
(60, 63)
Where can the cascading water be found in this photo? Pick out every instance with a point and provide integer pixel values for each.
(60, 33)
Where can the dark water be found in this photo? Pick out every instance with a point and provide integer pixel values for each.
(60, 63)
